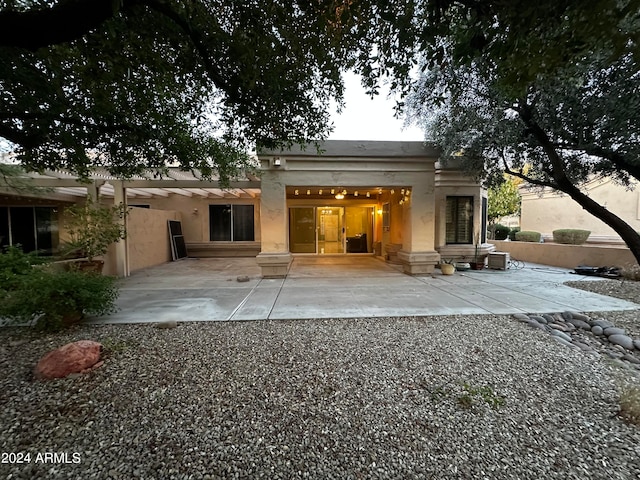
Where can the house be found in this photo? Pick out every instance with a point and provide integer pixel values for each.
(391, 199)
(548, 210)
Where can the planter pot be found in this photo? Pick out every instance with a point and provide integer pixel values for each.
(447, 268)
(477, 265)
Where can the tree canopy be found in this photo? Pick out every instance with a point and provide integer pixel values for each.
(135, 84)
(503, 199)
(138, 84)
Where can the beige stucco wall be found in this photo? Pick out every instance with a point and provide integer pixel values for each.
(550, 211)
(148, 237)
(567, 256)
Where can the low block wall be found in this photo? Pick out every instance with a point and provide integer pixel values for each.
(568, 256)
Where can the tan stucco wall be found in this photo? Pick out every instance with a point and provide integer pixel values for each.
(567, 256)
(148, 237)
(552, 211)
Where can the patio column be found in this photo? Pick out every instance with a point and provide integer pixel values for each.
(121, 248)
(418, 254)
(274, 257)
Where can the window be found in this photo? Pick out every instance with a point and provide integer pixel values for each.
(231, 223)
(386, 217)
(459, 218)
(34, 228)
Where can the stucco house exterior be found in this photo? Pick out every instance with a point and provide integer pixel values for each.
(390, 199)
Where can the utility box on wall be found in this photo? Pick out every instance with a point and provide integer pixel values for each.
(498, 260)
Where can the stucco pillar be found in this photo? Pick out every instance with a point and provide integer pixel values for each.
(121, 247)
(274, 257)
(418, 254)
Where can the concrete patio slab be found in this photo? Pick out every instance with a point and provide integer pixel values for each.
(342, 287)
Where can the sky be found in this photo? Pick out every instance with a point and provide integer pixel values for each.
(364, 118)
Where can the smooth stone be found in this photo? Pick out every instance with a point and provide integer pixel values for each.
(614, 331)
(567, 315)
(76, 357)
(597, 330)
(243, 278)
(557, 326)
(622, 340)
(560, 334)
(636, 343)
(579, 324)
(521, 316)
(534, 324)
(547, 317)
(539, 319)
(562, 341)
(614, 354)
(631, 358)
(603, 323)
(584, 347)
(580, 316)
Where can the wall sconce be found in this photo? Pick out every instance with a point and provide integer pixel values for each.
(195, 211)
(379, 211)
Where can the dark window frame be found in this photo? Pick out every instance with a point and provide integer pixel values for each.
(232, 222)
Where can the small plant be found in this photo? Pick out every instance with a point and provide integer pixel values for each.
(512, 233)
(500, 232)
(527, 236)
(630, 405)
(49, 298)
(93, 227)
(473, 394)
(571, 236)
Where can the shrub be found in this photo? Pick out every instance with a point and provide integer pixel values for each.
(571, 236)
(526, 236)
(48, 298)
(500, 232)
(512, 233)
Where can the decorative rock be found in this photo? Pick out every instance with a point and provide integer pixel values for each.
(534, 324)
(557, 326)
(597, 330)
(547, 317)
(622, 340)
(167, 324)
(583, 346)
(567, 315)
(243, 278)
(579, 324)
(560, 334)
(603, 323)
(76, 357)
(630, 358)
(636, 343)
(614, 331)
(521, 316)
(562, 341)
(580, 316)
(539, 319)
(614, 354)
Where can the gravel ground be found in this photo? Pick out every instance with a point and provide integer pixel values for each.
(453, 397)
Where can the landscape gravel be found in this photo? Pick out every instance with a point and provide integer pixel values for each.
(453, 397)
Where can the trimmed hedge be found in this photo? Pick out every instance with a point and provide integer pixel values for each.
(526, 236)
(571, 236)
(500, 232)
(512, 233)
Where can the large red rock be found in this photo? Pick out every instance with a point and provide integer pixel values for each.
(76, 357)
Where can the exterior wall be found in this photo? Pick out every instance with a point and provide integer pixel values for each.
(550, 211)
(568, 256)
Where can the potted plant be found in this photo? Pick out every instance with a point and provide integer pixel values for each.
(92, 228)
(478, 261)
(447, 267)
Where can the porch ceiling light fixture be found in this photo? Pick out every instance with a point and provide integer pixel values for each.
(339, 196)
(368, 195)
(355, 193)
(296, 192)
(333, 191)
(319, 192)
(308, 192)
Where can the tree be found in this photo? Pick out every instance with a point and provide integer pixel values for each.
(139, 84)
(581, 124)
(503, 199)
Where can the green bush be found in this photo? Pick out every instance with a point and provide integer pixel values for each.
(526, 236)
(571, 236)
(49, 298)
(500, 232)
(512, 233)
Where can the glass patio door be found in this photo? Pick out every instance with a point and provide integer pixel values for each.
(330, 230)
(302, 230)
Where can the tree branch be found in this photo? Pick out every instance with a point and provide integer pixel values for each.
(65, 21)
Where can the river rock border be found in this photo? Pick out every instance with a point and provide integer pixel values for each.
(592, 336)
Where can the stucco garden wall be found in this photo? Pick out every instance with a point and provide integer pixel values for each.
(567, 256)
(148, 239)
